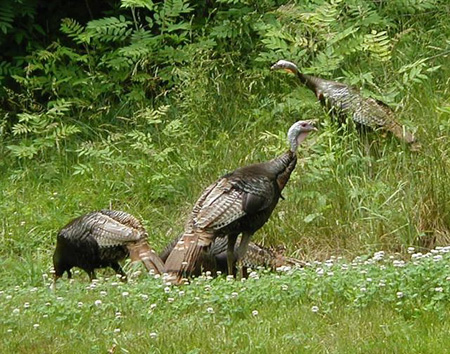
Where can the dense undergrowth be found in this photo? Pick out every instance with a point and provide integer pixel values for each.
(138, 106)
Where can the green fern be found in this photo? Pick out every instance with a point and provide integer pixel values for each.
(131, 4)
(110, 29)
(378, 44)
(74, 30)
(7, 15)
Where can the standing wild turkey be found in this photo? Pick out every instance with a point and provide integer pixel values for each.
(239, 202)
(215, 258)
(343, 100)
(101, 239)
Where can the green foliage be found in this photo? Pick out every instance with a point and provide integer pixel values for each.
(378, 303)
(142, 106)
(41, 131)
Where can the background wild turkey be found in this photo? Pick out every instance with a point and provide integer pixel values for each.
(215, 258)
(101, 239)
(343, 100)
(239, 202)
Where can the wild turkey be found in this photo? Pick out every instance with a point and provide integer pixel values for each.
(101, 239)
(239, 202)
(215, 258)
(343, 100)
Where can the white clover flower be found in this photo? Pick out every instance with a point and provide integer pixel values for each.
(170, 299)
(411, 250)
(36, 325)
(219, 273)
(319, 271)
(9, 330)
(437, 258)
(103, 293)
(210, 310)
(207, 287)
(330, 273)
(45, 315)
(399, 294)
(98, 302)
(117, 330)
(369, 280)
(167, 290)
(208, 273)
(48, 304)
(144, 296)
(114, 283)
(234, 294)
(153, 335)
(125, 293)
(363, 271)
(157, 276)
(448, 278)
(26, 305)
(181, 293)
(152, 306)
(439, 289)
(118, 314)
(417, 255)
(284, 287)
(22, 223)
(16, 310)
(230, 277)
(398, 263)
(80, 304)
(253, 275)
(363, 289)
(255, 313)
(315, 309)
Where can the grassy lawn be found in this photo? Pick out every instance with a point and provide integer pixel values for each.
(369, 305)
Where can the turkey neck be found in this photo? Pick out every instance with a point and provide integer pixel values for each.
(283, 166)
(312, 82)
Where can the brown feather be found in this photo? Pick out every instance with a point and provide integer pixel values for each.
(143, 252)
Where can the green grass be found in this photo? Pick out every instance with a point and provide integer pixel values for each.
(152, 156)
(369, 305)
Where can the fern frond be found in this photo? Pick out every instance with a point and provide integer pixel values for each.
(378, 44)
(73, 29)
(6, 16)
(110, 29)
(130, 4)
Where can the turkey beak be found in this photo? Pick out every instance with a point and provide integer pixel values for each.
(274, 67)
(311, 126)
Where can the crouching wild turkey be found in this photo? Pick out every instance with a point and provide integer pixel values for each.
(238, 203)
(215, 259)
(343, 100)
(101, 239)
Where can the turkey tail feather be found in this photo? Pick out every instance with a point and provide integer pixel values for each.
(184, 257)
(142, 251)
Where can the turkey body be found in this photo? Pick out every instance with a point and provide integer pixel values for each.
(101, 239)
(342, 100)
(238, 203)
